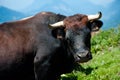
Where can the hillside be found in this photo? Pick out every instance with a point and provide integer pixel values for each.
(61, 7)
(7, 14)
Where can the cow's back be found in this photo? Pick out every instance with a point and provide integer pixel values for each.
(16, 58)
(19, 41)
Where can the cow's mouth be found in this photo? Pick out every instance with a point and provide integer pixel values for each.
(81, 56)
(82, 59)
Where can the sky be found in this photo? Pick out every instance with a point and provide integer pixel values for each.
(16, 4)
(19, 5)
(109, 8)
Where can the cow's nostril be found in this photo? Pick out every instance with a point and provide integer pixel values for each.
(89, 55)
(83, 54)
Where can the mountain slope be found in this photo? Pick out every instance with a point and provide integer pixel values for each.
(7, 14)
(52, 6)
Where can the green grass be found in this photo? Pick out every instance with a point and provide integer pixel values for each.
(105, 64)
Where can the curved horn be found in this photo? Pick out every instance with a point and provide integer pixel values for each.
(96, 16)
(57, 24)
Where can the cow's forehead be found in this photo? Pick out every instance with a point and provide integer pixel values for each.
(76, 21)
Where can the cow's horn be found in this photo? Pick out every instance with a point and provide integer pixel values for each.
(57, 24)
(96, 16)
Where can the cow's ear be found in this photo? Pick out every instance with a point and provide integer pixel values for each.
(58, 33)
(96, 25)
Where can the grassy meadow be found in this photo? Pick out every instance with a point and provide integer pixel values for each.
(105, 64)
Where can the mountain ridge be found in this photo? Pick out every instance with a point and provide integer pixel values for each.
(7, 14)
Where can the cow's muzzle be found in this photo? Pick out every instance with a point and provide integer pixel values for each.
(83, 56)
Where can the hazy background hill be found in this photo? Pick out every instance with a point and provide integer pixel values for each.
(14, 9)
(7, 14)
(50, 5)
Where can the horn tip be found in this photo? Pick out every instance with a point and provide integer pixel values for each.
(100, 14)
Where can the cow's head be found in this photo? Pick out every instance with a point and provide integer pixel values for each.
(76, 30)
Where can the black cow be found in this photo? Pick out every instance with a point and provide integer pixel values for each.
(37, 49)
